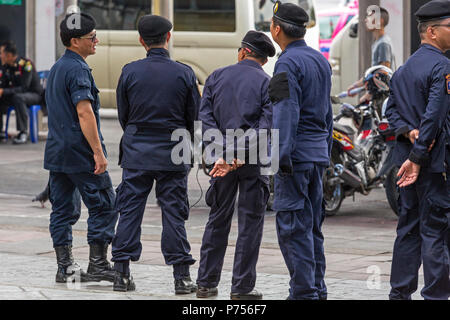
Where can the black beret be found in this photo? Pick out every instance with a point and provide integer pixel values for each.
(76, 25)
(152, 26)
(434, 10)
(259, 42)
(290, 13)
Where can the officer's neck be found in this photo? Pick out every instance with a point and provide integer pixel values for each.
(434, 44)
(84, 56)
(283, 43)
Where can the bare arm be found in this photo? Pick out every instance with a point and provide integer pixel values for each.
(89, 128)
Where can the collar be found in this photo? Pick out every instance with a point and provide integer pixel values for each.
(158, 52)
(431, 47)
(251, 63)
(72, 54)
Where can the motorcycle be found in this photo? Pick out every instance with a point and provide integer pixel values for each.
(361, 157)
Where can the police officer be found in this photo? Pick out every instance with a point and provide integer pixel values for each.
(419, 111)
(236, 97)
(19, 87)
(300, 91)
(75, 154)
(155, 96)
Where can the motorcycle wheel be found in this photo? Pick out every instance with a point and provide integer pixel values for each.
(333, 203)
(392, 190)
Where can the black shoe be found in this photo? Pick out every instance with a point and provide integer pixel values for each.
(68, 270)
(252, 295)
(185, 286)
(22, 138)
(123, 282)
(203, 292)
(99, 268)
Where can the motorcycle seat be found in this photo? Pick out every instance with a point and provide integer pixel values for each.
(344, 129)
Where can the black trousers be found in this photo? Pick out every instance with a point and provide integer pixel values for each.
(20, 102)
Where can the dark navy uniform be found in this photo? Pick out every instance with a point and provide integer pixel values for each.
(22, 88)
(302, 112)
(155, 96)
(420, 99)
(69, 157)
(235, 97)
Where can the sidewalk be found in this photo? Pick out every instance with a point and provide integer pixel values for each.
(28, 264)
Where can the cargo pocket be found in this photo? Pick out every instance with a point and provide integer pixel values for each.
(439, 213)
(210, 196)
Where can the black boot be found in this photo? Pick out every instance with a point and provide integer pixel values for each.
(123, 282)
(68, 270)
(99, 268)
(185, 286)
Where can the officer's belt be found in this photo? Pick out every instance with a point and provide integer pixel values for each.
(149, 129)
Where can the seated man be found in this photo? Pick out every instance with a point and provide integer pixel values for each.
(19, 87)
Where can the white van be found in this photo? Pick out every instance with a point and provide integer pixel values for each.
(206, 33)
(344, 59)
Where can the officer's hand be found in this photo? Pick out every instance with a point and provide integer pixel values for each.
(409, 172)
(100, 163)
(221, 169)
(432, 145)
(413, 135)
(237, 164)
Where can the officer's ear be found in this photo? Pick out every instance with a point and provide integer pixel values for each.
(142, 42)
(169, 35)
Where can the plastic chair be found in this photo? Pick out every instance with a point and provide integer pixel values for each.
(32, 112)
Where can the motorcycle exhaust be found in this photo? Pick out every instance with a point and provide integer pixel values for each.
(349, 177)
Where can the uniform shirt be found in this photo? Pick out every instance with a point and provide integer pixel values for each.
(382, 51)
(69, 82)
(236, 97)
(155, 96)
(20, 78)
(420, 99)
(302, 112)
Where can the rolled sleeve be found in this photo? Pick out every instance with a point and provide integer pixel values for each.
(80, 87)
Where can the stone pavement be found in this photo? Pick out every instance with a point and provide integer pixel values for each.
(27, 260)
(361, 236)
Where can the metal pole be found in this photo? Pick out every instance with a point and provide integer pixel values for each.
(164, 8)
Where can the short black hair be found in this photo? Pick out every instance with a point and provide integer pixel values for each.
(292, 31)
(385, 16)
(423, 26)
(254, 54)
(10, 47)
(157, 41)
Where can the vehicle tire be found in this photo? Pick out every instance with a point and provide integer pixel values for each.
(392, 190)
(334, 201)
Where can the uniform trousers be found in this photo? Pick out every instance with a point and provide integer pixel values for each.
(19, 101)
(221, 198)
(300, 215)
(422, 237)
(132, 194)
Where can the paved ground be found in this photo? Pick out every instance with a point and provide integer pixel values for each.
(358, 241)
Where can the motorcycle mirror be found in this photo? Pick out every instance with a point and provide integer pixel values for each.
(353, 30)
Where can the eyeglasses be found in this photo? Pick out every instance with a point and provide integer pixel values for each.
(93, 38)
